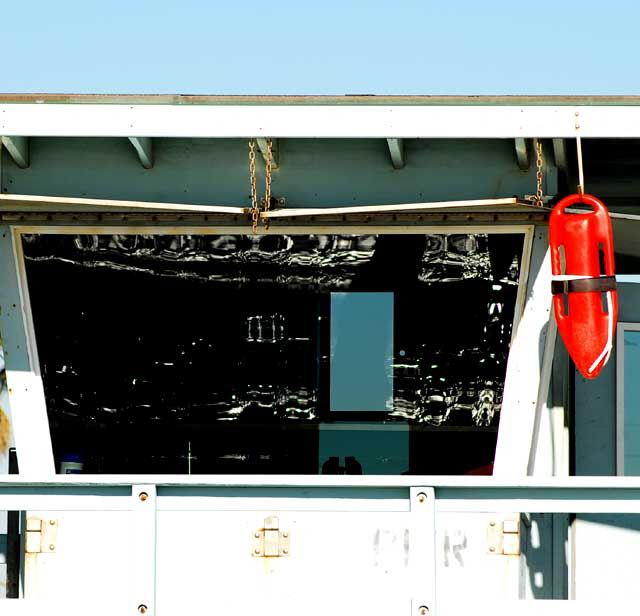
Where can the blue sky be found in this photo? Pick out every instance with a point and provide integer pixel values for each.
(327, 47)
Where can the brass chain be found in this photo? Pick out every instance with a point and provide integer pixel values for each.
(255, 210)
(266, 203)
(537, 199)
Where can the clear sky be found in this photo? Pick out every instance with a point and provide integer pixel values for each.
(321, 47)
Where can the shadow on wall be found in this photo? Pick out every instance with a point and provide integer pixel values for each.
(544, 556)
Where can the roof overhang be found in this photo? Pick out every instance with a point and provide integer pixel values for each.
(309, 117)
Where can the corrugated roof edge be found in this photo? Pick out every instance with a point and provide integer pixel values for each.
(357, 99)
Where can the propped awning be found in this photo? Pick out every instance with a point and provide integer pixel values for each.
(33, 203)
(32, 207)
(508, 204)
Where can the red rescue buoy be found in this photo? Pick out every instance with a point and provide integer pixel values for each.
(588, 325)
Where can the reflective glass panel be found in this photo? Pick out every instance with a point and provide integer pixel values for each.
(309, 353)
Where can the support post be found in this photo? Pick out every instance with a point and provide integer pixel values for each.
(29, 420)
(144, 555)
(529, 358)
(422, 551)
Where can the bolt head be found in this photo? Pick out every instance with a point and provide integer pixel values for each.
(143, 496)
(285, 551)
(52, 522)
(492, 523)
(256, 535)
(422, 497)
(423, 610)
(52, 547)
(492, 549)
(257, 551)
(142, 608)
(285, 535)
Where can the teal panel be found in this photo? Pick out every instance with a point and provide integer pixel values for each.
(313, 172)
(595, 402)
(361, 352)
(631, 403)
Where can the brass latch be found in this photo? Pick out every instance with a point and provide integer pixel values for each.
(503, 536)
(270, 540)
(41, 535)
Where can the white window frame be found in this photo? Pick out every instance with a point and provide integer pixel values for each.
(29, 449)
(622, 327)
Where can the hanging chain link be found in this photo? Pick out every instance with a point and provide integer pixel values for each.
(255, 210)
(537, 199)
(266, 204)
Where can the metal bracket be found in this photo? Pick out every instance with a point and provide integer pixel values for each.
(270, 541)
(503, 536)
(41, 536)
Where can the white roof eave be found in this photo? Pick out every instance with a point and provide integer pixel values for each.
(318, 121)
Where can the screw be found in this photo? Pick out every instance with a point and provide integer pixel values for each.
(492, 523)
(142, 608)
(143, 497)
(285, 535)
(492, 549)
(422, 497)
(285, 551)
(257, 551)
(423, 610)
(52, 522)
(257, 535)
(52, 547)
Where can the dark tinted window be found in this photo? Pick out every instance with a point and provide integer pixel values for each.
(381, 354)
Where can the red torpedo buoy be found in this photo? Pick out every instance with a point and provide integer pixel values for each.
(588, 325)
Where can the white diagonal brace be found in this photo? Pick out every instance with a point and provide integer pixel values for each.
(18, 148)
(144, 149)
(528, 367)
(262, 145)
(396, 151)
(560, 154)
(522, 153)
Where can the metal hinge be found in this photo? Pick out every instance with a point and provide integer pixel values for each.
(503, 536)
(41, 536)
(270, 540)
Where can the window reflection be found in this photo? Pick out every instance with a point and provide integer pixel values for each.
(274, 353)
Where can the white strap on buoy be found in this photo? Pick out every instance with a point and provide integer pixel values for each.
(606, 352)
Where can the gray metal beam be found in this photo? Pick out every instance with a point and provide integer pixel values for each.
(18, 148)
(396, 151)
(144, 150)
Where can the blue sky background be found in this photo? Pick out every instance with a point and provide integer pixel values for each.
(326, 47)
